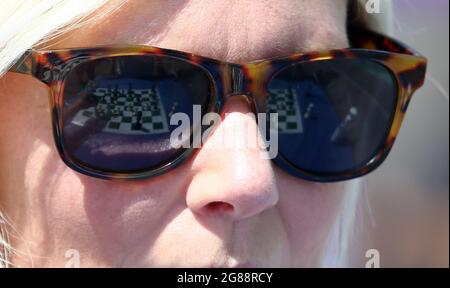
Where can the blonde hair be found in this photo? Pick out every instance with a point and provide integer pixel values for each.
(354, 214)
(27, 23)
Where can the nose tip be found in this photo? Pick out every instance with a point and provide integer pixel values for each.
(235, 181)
(214, 195)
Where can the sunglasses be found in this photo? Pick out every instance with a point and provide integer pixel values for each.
(339, 111)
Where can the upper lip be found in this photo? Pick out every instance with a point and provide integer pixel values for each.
(245, 264)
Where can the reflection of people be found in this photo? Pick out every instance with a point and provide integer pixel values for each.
(308, 87)
(137, 125)
(319, 120)
(233, 203)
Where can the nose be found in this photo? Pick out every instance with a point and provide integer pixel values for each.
(232, 178)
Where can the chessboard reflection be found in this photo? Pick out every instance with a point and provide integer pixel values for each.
(136, 109)
(116, 110)
(332, 115)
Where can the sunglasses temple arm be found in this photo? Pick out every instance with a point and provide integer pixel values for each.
(24, 64)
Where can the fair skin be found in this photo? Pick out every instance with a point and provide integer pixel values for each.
(222, 207)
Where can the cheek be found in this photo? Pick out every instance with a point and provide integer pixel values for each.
(26, 127)
(109, 218)
(308, 209)
(27, 151)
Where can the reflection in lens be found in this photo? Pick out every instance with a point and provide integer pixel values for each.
(116, 111)
(333, 115)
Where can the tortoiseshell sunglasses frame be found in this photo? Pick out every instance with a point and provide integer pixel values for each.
(228, 79)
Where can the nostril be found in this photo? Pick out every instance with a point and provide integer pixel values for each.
(218, 206)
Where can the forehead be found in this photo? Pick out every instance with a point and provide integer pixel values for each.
(235, 31)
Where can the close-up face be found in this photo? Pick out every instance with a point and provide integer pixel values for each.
(90, 167)
(223, 207)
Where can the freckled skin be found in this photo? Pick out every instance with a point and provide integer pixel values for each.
(219, 208)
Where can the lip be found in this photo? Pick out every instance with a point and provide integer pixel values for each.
(245, 265)
(235, 265)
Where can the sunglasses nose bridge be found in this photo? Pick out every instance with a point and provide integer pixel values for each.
(239, 87)
(237, 81)
(251, 80)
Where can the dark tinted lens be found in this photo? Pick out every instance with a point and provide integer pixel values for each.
(333, 114)
(116, 111)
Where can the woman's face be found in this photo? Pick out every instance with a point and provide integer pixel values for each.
(222, 207)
